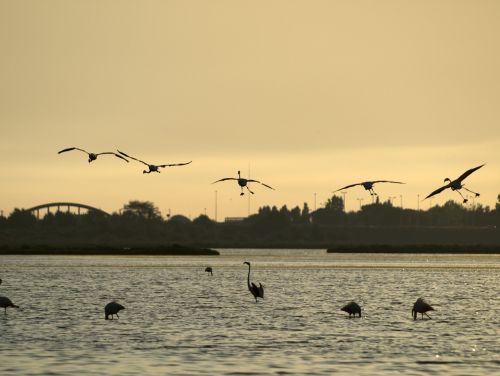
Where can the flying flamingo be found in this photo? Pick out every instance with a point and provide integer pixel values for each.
(456, 184)
(152, 167)
(92, 156)
(6, 302)
(368, 185)
(352, 308)
(242, 182)
(257, 292)
(112, 309)
(421, 306)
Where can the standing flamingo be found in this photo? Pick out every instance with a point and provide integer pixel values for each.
(208, 269)
(6, 302)
(257, 292)
(456, 184)
(112, 309)
(421, 306)
(352, 308)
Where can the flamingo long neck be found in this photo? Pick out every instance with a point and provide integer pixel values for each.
(248, 280)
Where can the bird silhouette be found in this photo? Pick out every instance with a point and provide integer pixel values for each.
(352, 308)
(456, 184)
(208, 269)
(242, 182)
(368, 185)
(6, 302)
(112, 309)
(421, 306)
(257, 292)
(92, 156)
(152, 167)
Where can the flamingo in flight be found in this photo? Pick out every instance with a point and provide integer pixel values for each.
(257, 292)
(242, 182)
(368, 185)
(92, 156)
(456, 184)
(152, 167)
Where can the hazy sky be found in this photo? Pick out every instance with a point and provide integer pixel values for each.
(312, 95)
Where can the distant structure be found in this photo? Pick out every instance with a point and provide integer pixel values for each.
(234, 219)
(68, 205)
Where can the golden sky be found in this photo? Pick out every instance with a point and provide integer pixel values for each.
(311, 95)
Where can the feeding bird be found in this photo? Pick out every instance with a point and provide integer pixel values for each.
(421, 306)
(257, 292)
(456, 184)
(352, 308)
(368, 185)
(152, 167)
(208, 269)
(112, 309)
(242, 182)
(92, 156)
(6, 302)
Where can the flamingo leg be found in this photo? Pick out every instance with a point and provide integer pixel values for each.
(241, 194)
(427, 316)
(117, 315)
(249, 190)
(468, 190)
(460, 193)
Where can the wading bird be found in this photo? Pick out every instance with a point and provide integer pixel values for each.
(152, 167)
(368, 185)
(242, 182)
(421, 306)
(257, 292)
(352, 308)
(6, 302)
(208, 269)
(112, 309)
(92, 156)
(456, 184)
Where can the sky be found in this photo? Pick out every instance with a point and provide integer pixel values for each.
(307, 96)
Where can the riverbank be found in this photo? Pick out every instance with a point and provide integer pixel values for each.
(416, 248)
(171, 250)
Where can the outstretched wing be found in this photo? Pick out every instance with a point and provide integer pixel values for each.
(116, 155)
(256, 181)
(387, 181)
(224, 179)
(468, 172)
(347, 186)
(135, 159)
(69, 149)
(439, 190)
(174, 164)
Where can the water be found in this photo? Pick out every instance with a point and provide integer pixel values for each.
(180, 321)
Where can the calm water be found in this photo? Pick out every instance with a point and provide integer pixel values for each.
(179, 321)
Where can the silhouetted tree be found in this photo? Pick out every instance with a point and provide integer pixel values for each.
(142, 209)
(21, 218)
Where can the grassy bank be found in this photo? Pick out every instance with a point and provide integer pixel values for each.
(416, 248)
(171, 250)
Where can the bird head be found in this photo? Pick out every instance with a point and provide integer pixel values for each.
(144, 171)
(246, 262)
(447, 180)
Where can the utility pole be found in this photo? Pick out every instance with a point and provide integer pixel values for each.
(401, 197)
(215, 206)
(343, 201)
(314, 201)
(360, 200)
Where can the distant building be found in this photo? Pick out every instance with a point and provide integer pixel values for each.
(234, 219)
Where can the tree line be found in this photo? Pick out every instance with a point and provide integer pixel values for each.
(140, 223)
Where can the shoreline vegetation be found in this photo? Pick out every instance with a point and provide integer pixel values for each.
(171, 250)
(417, 248)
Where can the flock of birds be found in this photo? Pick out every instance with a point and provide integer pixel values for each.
(454, 185)
(420, 306)
(111, 309)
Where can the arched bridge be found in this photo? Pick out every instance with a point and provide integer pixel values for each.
(66, 205)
